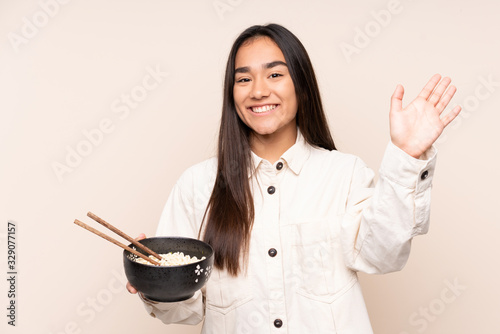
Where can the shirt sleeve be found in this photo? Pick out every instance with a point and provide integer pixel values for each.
(187, 312)
(178, 219)
(381, 220)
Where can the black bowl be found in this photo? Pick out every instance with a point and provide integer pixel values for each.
(174, 283)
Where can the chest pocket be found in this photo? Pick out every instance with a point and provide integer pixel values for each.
(225, 293)
(318, 270)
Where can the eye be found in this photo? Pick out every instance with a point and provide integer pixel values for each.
(275, 75)
(243, 80)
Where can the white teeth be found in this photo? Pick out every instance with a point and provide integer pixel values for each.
(264, 108)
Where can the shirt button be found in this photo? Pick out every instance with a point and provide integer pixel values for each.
(271, 190)
(272, 252)
(424, 175)
(279, 165)
(278, 323)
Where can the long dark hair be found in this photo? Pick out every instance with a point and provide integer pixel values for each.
(230, 211)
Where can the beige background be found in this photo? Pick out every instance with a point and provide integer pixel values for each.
(67, 74)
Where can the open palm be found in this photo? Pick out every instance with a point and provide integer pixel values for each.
(416, 127)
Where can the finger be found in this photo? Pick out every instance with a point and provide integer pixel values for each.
(141, 236)
(446, 98)
(131, 289)
(397, 99)
(429, 87)
(439, 91)
(449, 117)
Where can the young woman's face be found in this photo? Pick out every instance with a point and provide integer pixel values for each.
(264, 94)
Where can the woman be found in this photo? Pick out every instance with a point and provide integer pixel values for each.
(291, 219)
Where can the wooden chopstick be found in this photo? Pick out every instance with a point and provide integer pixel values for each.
(102, 235)
(123, 235)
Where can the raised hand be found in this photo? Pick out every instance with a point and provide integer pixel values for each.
(416, 127)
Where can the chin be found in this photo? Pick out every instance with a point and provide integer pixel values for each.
(264, 131)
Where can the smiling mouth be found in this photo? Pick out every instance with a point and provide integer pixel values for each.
(263, 109)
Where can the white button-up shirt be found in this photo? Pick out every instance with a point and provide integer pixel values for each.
(322, 221)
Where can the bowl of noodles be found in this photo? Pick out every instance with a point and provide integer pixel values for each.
(185, 267)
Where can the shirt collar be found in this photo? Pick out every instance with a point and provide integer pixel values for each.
(295, 157)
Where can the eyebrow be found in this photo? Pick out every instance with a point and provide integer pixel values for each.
(246, 69)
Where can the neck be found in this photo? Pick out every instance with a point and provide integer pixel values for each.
(271, 147)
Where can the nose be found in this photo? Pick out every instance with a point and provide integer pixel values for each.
(260, 89)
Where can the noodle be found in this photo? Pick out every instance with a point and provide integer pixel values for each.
(171, 259)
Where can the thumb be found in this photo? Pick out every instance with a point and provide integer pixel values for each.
(397, 99)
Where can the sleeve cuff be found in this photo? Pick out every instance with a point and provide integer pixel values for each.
(401, 168)
(146, 300)
(165, 306)
(148, 304)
